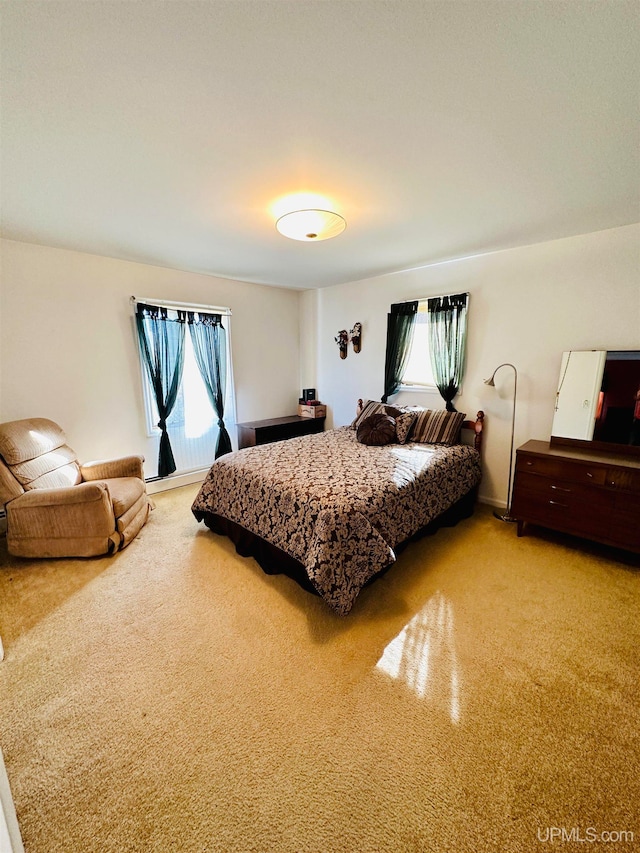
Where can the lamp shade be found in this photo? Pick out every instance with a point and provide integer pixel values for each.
(311, 225)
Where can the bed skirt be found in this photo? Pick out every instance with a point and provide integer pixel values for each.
(274, 561)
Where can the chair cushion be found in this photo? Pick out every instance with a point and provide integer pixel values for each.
(52, 470)
(28, 438)
(124, 492)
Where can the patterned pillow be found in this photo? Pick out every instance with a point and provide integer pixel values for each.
(404, 423)
(437, 427)
(415, 409)
(377, 430)
(371, 407)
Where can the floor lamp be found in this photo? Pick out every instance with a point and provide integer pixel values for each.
(507, 516)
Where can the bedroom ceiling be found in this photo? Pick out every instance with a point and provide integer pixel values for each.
(165, 132)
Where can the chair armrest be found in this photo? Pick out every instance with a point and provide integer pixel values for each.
(10, 488)
(83, 493)
(127, 466)
(49, 522)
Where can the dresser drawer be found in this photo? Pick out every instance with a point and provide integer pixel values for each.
(562, 504)
(563, 469)
(626, 519)
(623, 478)
(537, 509)
(564, 491)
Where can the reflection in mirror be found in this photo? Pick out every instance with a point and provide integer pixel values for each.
(578, 393)
(618, 420)
(598, 397)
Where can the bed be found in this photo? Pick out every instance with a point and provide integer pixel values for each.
(331, 512)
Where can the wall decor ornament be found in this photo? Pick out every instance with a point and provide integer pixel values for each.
(342, 339)
(356, 337)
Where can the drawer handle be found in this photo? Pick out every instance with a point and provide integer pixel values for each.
(560, 489)
(529, 464)
(557, 503)
(589, 474)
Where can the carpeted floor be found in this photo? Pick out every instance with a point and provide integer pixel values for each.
(482, 696)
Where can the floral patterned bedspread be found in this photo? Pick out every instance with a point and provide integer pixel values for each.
(337, 506)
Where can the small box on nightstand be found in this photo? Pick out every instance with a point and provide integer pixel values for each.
(312, 411)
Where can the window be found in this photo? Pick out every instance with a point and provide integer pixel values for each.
(418, 372)
(192, 425)
(426, 346)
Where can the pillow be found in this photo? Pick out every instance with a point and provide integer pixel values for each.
(404, 423)
(415, 409)
(437, 427)
(371, 407)
(377, 430)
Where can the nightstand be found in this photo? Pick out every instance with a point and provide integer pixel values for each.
(252, 433)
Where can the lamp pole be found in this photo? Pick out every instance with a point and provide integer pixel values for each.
(507, 516)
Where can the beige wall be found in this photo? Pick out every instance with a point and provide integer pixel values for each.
(308, 337)
(68, 351)
(527, 306)
(67, 347)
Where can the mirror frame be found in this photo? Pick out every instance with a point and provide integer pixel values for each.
(600, 446)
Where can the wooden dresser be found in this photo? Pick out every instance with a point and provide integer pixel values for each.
(586, 493)
(276, 429)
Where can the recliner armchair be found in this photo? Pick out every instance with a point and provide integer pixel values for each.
(57, 507)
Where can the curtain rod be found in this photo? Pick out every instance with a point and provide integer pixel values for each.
(435, 296)
(164, 303)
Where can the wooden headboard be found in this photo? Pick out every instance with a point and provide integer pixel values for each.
(476, 426)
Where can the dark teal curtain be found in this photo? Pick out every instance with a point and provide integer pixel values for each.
(447, 319)
(209, 338)
(161, 343)
(400, 325)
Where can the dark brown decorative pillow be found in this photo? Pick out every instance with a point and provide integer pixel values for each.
(377, 430)
(372, 407)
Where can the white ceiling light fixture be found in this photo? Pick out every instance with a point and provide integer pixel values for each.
(311, 225)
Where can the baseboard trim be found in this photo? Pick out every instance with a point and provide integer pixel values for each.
(483, 499)
(163, 484)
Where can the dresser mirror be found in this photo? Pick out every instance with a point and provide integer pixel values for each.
(597, 401)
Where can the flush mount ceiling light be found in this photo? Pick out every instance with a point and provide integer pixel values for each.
(311, 225)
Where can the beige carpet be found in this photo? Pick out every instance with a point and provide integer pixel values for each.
(480, 696)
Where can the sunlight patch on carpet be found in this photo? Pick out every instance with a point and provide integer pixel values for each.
(423, 655)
